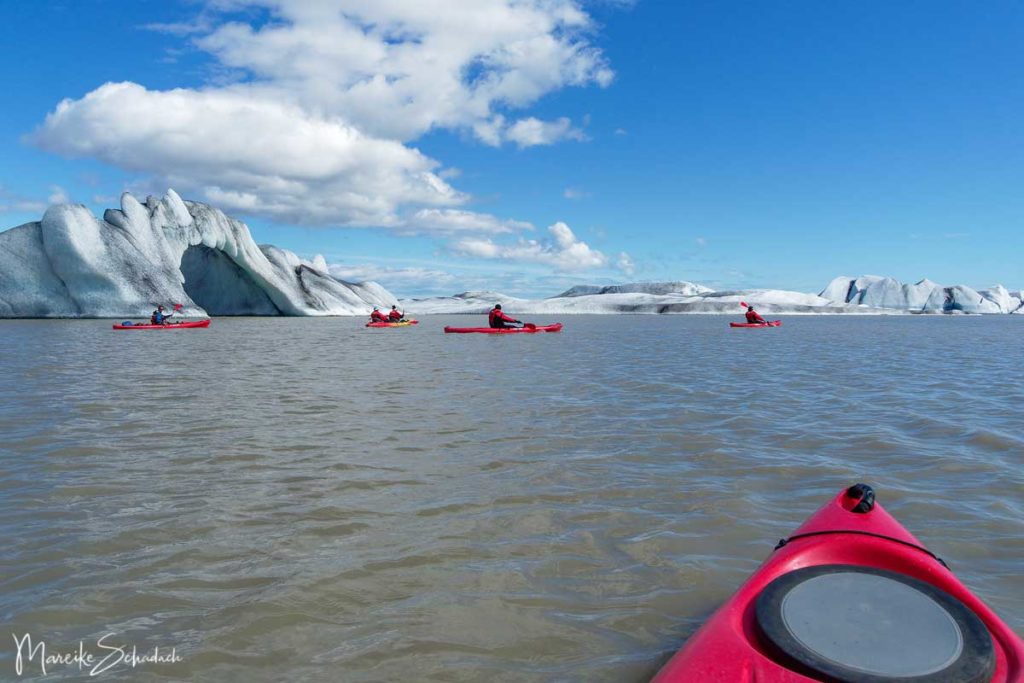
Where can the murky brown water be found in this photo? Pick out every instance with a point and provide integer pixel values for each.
(311, 500)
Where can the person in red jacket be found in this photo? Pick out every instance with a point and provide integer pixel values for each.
(753, 316)
(497, 318)
(377, 316)
(395, 315)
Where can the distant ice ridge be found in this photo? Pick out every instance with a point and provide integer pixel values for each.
(636, 298)
(864, 295)
(923, 297)
(164, 251)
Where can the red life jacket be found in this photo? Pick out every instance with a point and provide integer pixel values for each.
(753, 317)
(395, 315)
(378, 317)
(496, 316)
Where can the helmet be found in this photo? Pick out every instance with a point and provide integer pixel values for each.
(498, 306)
(394, 306)
(750, 308)
(375, 308)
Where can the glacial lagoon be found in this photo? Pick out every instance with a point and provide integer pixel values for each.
(306, 499)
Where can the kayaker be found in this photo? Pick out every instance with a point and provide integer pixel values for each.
(159, 317)
(377, 316)
(497, 318)
(754, 317)
(395, 315)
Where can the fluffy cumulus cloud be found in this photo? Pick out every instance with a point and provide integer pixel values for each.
(563, 250)
(328, 95)
(259, 156)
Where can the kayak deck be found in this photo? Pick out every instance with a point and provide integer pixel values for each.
(771, 323)
(557, 327)
(191, 324)
(404, 323)
(741, 641)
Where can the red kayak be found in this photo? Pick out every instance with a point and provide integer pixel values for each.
(169, 326)
(852, 597)
(772, 323)
(557, 327)
(403, 323)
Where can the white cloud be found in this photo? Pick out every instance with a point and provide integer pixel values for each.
(363, 272)
(58, 195)
(564, 250)
(531, 132)
(528, 132)
(397, 69)
(11, 202)
(402, 281)
(574, 193)
(248, 154)
(625, 263)
(451, 221)
(321, 99)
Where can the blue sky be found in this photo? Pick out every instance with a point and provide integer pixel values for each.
(527, 146)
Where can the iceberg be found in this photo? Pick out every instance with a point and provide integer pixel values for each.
(1017, 299)
(867, 294)
(922, 297)
(168, 250)
(70, 264)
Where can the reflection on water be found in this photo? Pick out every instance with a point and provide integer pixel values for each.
(311, 500)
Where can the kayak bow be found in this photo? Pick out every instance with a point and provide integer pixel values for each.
(168, 326)
(851, 597)
(772, 323)
(404, 323)
(557, 327)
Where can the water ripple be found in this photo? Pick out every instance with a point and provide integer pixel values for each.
(301, 500)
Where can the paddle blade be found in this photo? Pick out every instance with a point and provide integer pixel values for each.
(743, 303)
(177, 307)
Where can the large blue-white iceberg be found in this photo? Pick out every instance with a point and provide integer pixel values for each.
(923, 297)
(71, 264)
